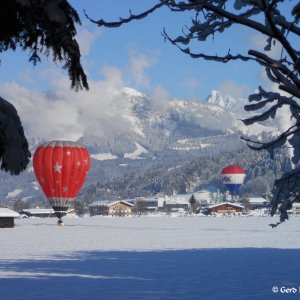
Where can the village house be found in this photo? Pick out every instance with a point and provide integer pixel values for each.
(7, 217)
(99, 207)
(258, 202)
(38, 212)
(296, 208)
(174, 204)
(145, 205)
(225, 208)
(120, 208)
(46, 212)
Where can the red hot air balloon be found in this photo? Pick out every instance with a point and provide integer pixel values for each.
(61, 168)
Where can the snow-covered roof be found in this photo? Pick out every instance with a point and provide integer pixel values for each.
(153, 199)
(120, 201)
(99, 203)
(36, 211)
(257, 200)
(177, 201)
(228, 203)
(6, 212)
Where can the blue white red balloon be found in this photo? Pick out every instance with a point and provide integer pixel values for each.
(233, 177)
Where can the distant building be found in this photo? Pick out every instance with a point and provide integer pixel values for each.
(7, 217)
(296, 208)
(99, 207)
(142, 204)
(120, 208)
(38, 212)
(257, 203)
(226, 208)
(45, 212)
(175, 204)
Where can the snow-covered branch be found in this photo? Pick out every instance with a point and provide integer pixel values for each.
(132, 17)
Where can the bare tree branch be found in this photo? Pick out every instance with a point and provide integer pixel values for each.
(223, 59)
(126, 20)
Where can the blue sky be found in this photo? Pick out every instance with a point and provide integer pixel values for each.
(139, 51)
(134, 55)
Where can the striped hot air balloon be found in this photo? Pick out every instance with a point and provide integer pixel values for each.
(61, 168)
(233, 177)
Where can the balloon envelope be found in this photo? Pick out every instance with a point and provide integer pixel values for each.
(61, 168)
(233, 177)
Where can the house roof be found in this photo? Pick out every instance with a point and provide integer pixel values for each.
(228, 203)
(176, 200)
(120, 201)
(6, 212)
(99, 203)
(45, 211)
(38, 211)
(258, 200)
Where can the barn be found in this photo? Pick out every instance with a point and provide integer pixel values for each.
(7, 217)
(226, 208)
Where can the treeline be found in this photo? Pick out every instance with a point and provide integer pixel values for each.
(202, 173)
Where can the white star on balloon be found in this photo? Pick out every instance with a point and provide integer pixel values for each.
(68, 153)
(57, 167)
(65, 189)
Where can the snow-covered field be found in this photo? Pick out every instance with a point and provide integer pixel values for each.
(150, 258)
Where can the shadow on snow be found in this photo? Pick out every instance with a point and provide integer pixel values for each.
(247, 273)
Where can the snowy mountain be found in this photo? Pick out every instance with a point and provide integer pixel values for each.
(227, 102)
(152, 126)
(145, 150)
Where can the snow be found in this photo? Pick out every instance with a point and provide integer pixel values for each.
(135, 155)
(132, 92)
(188, 144)
(41, 238)
(226, 203)
(14, 193)
(123, 165)
(136, 127)
(104, 156)
(156, 257)
(254, 129)
(36, 211)
(258, 200)
(6, 212)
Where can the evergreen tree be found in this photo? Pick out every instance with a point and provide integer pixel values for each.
(40, 27)
(43, 27)
(193, 203)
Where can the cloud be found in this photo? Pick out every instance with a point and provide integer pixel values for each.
(139, 63)
(159, 99)
(230, 87)
(258, 41)
(85, 39)
(62, 113)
